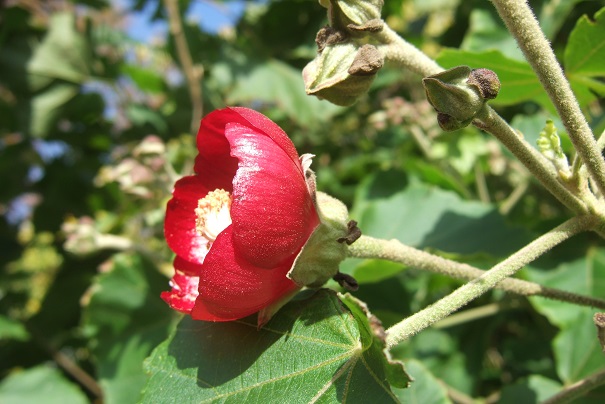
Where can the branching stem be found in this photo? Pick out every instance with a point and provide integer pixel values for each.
(475, 288)
(578, 389)
(522, 24)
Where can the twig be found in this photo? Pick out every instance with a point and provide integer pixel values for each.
(192, 76)
(482, 189)
(489, 120)
(514, 197)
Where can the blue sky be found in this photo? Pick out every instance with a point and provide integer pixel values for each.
(211, 16)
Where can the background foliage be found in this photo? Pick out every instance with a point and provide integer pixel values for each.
(95, 128)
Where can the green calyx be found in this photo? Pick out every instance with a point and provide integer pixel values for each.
(319, 259)
(342, 71)
(354, 16)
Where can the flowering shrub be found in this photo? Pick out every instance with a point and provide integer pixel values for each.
(238, 224)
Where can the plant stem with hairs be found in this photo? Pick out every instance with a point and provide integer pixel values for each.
(522, 24)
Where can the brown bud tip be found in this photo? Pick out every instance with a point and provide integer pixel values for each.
(487, 81)
(367, 62)
(328, 36)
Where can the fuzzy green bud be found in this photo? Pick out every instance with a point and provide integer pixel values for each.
(458, 94)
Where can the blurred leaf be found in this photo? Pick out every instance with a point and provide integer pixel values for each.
(313, 349)
(425, 389)
(535, 389)
(61, 55)
(41, 384)
(12, 329)
(141, 115)
(519, 83)
(145, 79)
(46, 107)
(275, 82)
(487, 32)
(370, 271)
(126, 319)
(424, 216)
(576, 346)
(585, 57)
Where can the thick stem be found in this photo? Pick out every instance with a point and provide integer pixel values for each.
(475, 288)
(489, 120)
(578, 389)
(192, 75)
(522, 24)
(398, 50)
(395, 251)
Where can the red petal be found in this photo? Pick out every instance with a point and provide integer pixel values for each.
(231, 289)
(179, 225)
(272, 213)
(186, 267)
(184, 292)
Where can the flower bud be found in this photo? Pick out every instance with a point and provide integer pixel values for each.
(459, 94)
(342, 72)
(319, 259)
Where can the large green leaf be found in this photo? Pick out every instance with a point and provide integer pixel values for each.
(41, 384)
(576, 346)
(275, 82)
(63, 54)
(424, 216)
(519, 83)
(126, 319)
(313, 350)
(487, 32)
(585, 57)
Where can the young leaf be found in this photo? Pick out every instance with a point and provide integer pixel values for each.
(313, 349)
(585, 57)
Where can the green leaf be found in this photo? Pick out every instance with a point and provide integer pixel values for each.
(41, 384)
(12, 329)
(46, 107)
(145, 79)
(313, 349)
(534, 389)
(576, 346)
(424, 216)
(426, 388)
(61, 55)
(372, 271)
(126, 319)
(275, 82)
(518, 80)
(487, 32)
(585, 57)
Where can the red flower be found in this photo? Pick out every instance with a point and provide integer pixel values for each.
(238, 224)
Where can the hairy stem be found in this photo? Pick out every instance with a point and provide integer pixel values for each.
(398, 50)
(488, 280)
(395, 251)
(522, 24)
(578, 389)
(192, 75)
(489, 120)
